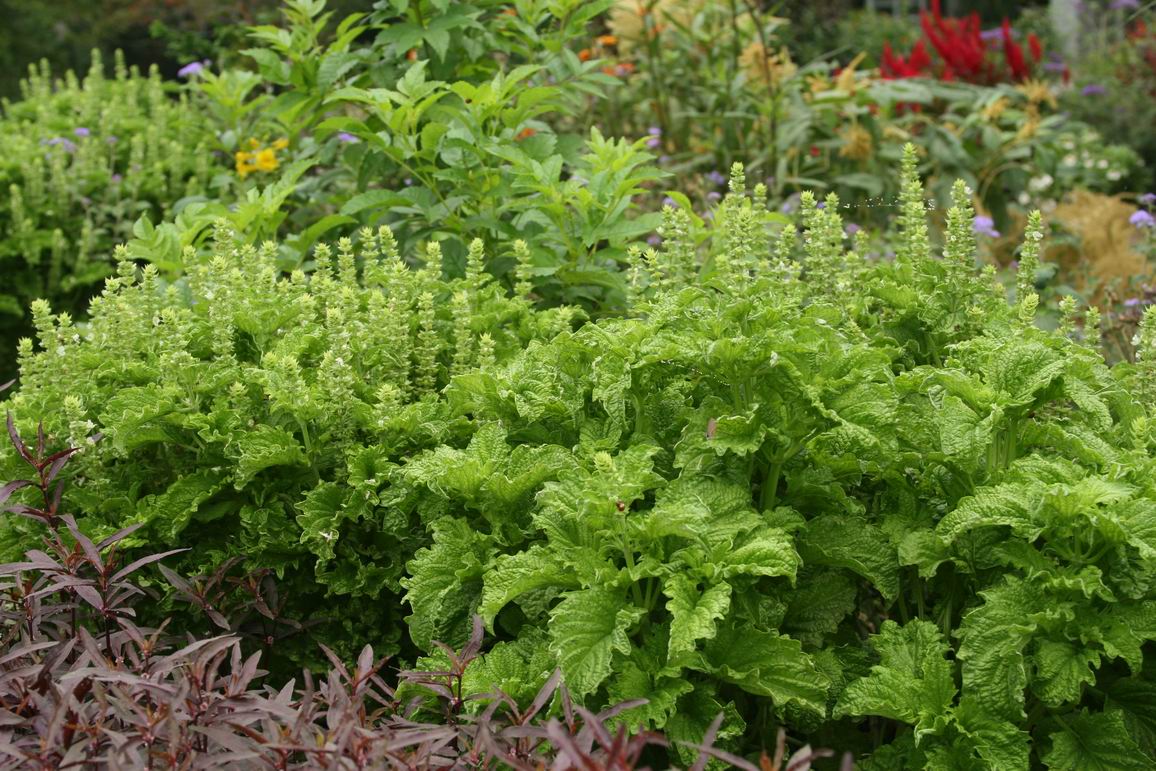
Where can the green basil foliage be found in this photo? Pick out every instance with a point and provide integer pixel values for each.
(83, 161)
(870, 501)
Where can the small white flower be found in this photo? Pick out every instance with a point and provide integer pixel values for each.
(1114, 175)
(1069, 160)
(1024, 198)
(1102, 164)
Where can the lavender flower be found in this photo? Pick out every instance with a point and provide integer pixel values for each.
(654, 143)
(81, 131)
(116, 179)
(1054, 66)
(1148, 199)
(663, 160)
(1093, 89)
(347, 138)
(668, 201)
(985, 226)
(68, 145)
(991, 35)
(791, 204)
(112, 139)
(714, 196)
(1120, 5)
(1131, 302)
(191, 69)
(716, 178)
(851, 228)
(654, 240)
(1143, 219)
(654, 131)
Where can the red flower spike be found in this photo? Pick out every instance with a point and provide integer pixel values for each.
(1036, 49)
(1013, 53)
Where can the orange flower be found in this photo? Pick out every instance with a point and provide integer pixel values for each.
(411, 54)
(525, 133)
(510, 11)
(608, 40)
(585, 55)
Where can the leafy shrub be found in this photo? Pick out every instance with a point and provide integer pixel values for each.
(1115, 84)
(761, 471)
(712, 83)
(436, 119)
(134, 696)
(83, 161)
(258, 415)
(791, 485)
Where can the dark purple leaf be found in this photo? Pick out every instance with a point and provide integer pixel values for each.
(17, 442)
(136, 565)
(7, 490)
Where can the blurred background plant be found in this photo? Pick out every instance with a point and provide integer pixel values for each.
(83, 160)
(319, 118)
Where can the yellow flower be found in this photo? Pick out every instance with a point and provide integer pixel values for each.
(992, 112)
(1037, 92)
(817, 84)
(244, 163)
(857, 143)
(266, 160)
(258, 158)
(629, 24)
(760, 65)
(845, 81)
(896, 133)
(1031, 125)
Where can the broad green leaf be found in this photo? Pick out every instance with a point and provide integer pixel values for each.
(694, 614)
(1062, 668)
(993, 637)
(514, 574)
(913, 683)
(1001, 744)
(1095, 742)
(766, 664)
(265, 447)
(852, 543)
(585, 630)
(445, 584)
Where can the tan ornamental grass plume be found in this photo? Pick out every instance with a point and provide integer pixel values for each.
(858, 145)
(629, 19)
(1106, 237)
(759, 65)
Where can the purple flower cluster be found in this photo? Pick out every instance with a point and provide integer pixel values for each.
(654, 141)
(1143, 219)
(193, 68)
(68, 145)
(985, 226)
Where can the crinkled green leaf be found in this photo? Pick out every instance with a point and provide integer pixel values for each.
(1095, 742)
(694, 614)
(766, 664)
(445, 584)
(265, 447)
(913, 683)
(852, 543)
(585, 630)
